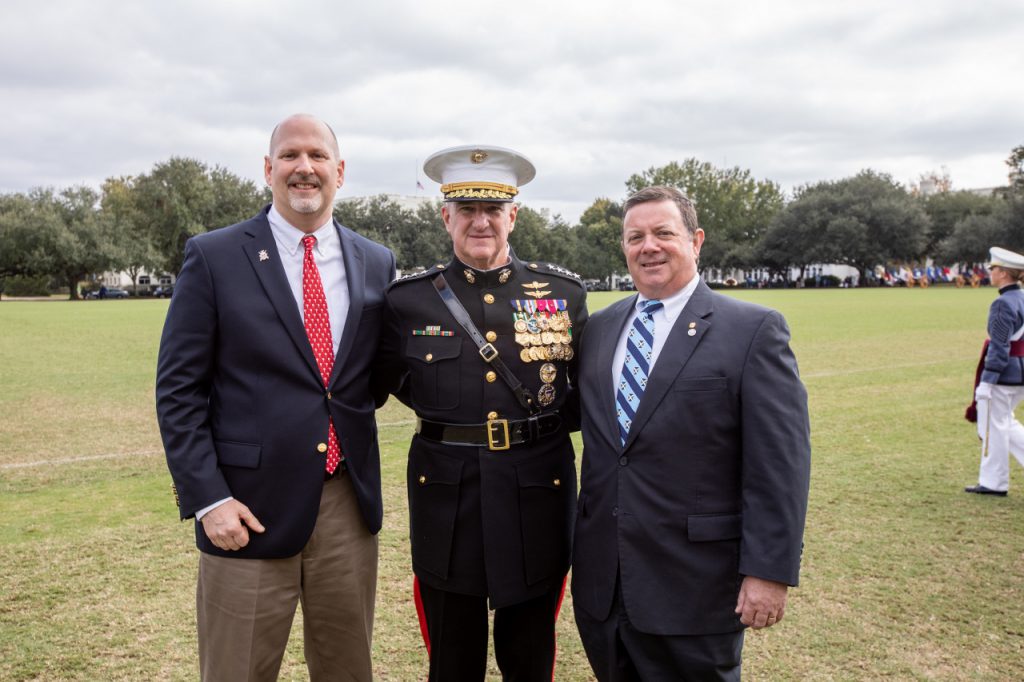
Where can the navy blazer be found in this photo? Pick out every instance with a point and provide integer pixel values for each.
(712, 482)
(1005, 318)
(241, 405)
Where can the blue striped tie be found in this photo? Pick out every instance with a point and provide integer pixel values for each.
(636, 368)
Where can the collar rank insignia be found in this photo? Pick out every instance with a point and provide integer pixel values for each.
(535, 286)
(264, 255)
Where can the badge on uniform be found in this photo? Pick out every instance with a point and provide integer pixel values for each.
(534, 289)
(546, 393)
(543, 328)
(432, 330)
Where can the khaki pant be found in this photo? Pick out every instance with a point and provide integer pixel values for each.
(246, 606)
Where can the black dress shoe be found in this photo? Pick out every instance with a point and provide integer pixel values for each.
(982, 490)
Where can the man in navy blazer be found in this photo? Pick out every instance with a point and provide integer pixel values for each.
(247, 408)
(695, 466)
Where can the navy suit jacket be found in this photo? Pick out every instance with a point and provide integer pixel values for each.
(241, 405)
(712, 482)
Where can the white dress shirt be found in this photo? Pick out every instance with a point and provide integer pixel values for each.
(664, 319)
(329, 261)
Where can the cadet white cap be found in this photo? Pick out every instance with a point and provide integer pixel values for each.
(1005, 258)
(479, 172)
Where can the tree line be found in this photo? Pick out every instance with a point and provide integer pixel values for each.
(140, 223)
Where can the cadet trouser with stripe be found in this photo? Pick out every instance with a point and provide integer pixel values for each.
(1001, 435)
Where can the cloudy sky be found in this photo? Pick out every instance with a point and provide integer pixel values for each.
(796, 91)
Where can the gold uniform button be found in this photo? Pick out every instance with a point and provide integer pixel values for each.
(488, 298)
(321, 447)
(492, 415)
(557, 482)
(428, 357)
(491, 377)
(491, 336)
(329, 396)
(422, 479)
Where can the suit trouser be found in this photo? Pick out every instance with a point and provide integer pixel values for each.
(1001, 435)
(618, 652)
(455, 632)
(246, 606)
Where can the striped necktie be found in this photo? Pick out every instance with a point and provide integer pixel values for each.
(636, 368)
(318, 329)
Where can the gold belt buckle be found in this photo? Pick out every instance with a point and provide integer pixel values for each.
(497, 434)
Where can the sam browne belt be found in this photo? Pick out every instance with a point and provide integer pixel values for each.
(495, 434)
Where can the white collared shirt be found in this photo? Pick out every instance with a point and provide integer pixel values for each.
(664, 319)
(329, 261)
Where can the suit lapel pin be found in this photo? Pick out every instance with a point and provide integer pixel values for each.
(264, 255)
(692, 331)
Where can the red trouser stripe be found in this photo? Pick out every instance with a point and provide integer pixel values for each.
(558, 608)
(421, 612)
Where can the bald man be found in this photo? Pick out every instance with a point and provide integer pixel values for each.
(266, 411)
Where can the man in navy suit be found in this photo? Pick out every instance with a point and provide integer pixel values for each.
(266, 408)
(696, 463)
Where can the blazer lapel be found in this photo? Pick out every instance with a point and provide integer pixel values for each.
(355, 276)
(676, 352)
(617, 318)
(265, 260)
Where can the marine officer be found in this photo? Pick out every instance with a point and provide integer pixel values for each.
(487, 346)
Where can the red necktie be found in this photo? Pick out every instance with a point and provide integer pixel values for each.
(318, 329)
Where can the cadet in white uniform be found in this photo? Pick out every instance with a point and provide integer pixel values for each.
(1001, 387)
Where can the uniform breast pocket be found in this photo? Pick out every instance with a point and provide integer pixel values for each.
(433, 363)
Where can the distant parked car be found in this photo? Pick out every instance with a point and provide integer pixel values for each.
(163, 292)
(116, 292)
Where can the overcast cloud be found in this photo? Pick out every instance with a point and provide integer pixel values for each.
(591, 91)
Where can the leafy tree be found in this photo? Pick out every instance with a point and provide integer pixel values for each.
(794, 238)
(946, 209)
(972, 236)
(418, 238)
(181, 198)
(57, 234)
(596, 251)
(135, 250)
(1016, 164)
(535, 237)
(861, 221)
(733, 208)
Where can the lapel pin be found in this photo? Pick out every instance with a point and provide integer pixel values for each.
(264, 255)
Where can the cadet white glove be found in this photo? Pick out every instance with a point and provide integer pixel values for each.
(983, 391)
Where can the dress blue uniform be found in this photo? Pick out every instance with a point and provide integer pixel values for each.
(491, 480)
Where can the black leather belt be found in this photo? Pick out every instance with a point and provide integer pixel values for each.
(495, 434)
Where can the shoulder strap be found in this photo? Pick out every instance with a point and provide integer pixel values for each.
(487, 351)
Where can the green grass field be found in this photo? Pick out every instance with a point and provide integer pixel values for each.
(904, 575)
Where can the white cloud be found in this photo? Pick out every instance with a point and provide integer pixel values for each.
(592, 91)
